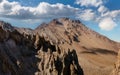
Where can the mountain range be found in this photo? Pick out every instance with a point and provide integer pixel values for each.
(61, 47)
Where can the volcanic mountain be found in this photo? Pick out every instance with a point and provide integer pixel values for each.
(60, 47)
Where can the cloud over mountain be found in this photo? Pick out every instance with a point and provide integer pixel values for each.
(102, 16)
(107, 24)
(87, 15)
(42, 11)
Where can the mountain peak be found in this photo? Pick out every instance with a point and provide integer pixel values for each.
(68, 30)
(51, 48)
(63, 21)
(68, 19)
(55, 22)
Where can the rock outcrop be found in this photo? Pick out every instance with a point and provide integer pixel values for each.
(51, 49)
(116, 70)
(90, 46)
(32, 54)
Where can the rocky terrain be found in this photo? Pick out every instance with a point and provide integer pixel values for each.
(116, 70)
(61, 47)
(96, 53)
(24, 54)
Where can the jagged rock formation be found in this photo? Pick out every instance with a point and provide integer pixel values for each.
(58, 42)
(116, 70)
(27, 54)
(91, 46)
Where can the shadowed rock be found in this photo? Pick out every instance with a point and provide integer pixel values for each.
(22, 54)
(51, 49)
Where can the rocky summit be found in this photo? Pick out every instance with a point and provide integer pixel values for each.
(60, 47)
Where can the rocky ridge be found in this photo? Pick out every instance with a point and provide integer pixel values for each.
(65, 30)
(58, 42)
(90, 46)
(25, 54)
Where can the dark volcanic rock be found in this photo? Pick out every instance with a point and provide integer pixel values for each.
(25, 54)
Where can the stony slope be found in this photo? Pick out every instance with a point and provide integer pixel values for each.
(96, 53)
(27, 54)
(116, 70)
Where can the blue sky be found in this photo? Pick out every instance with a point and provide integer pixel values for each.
(102, 16)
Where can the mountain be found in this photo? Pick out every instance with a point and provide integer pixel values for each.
(67, 31)
(96, 53)
(60, 47)
(25, 54)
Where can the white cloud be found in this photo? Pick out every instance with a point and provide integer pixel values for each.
(102, 9)
(2, 0)
(42, 11)
(105, 18)
(108, 20)
(107, 24)
(87, 3)
(87, 15)
(113, 14)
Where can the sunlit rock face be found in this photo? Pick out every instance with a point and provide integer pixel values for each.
(32, 54)
(55, 48)
(96, 53)
(116, 70)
